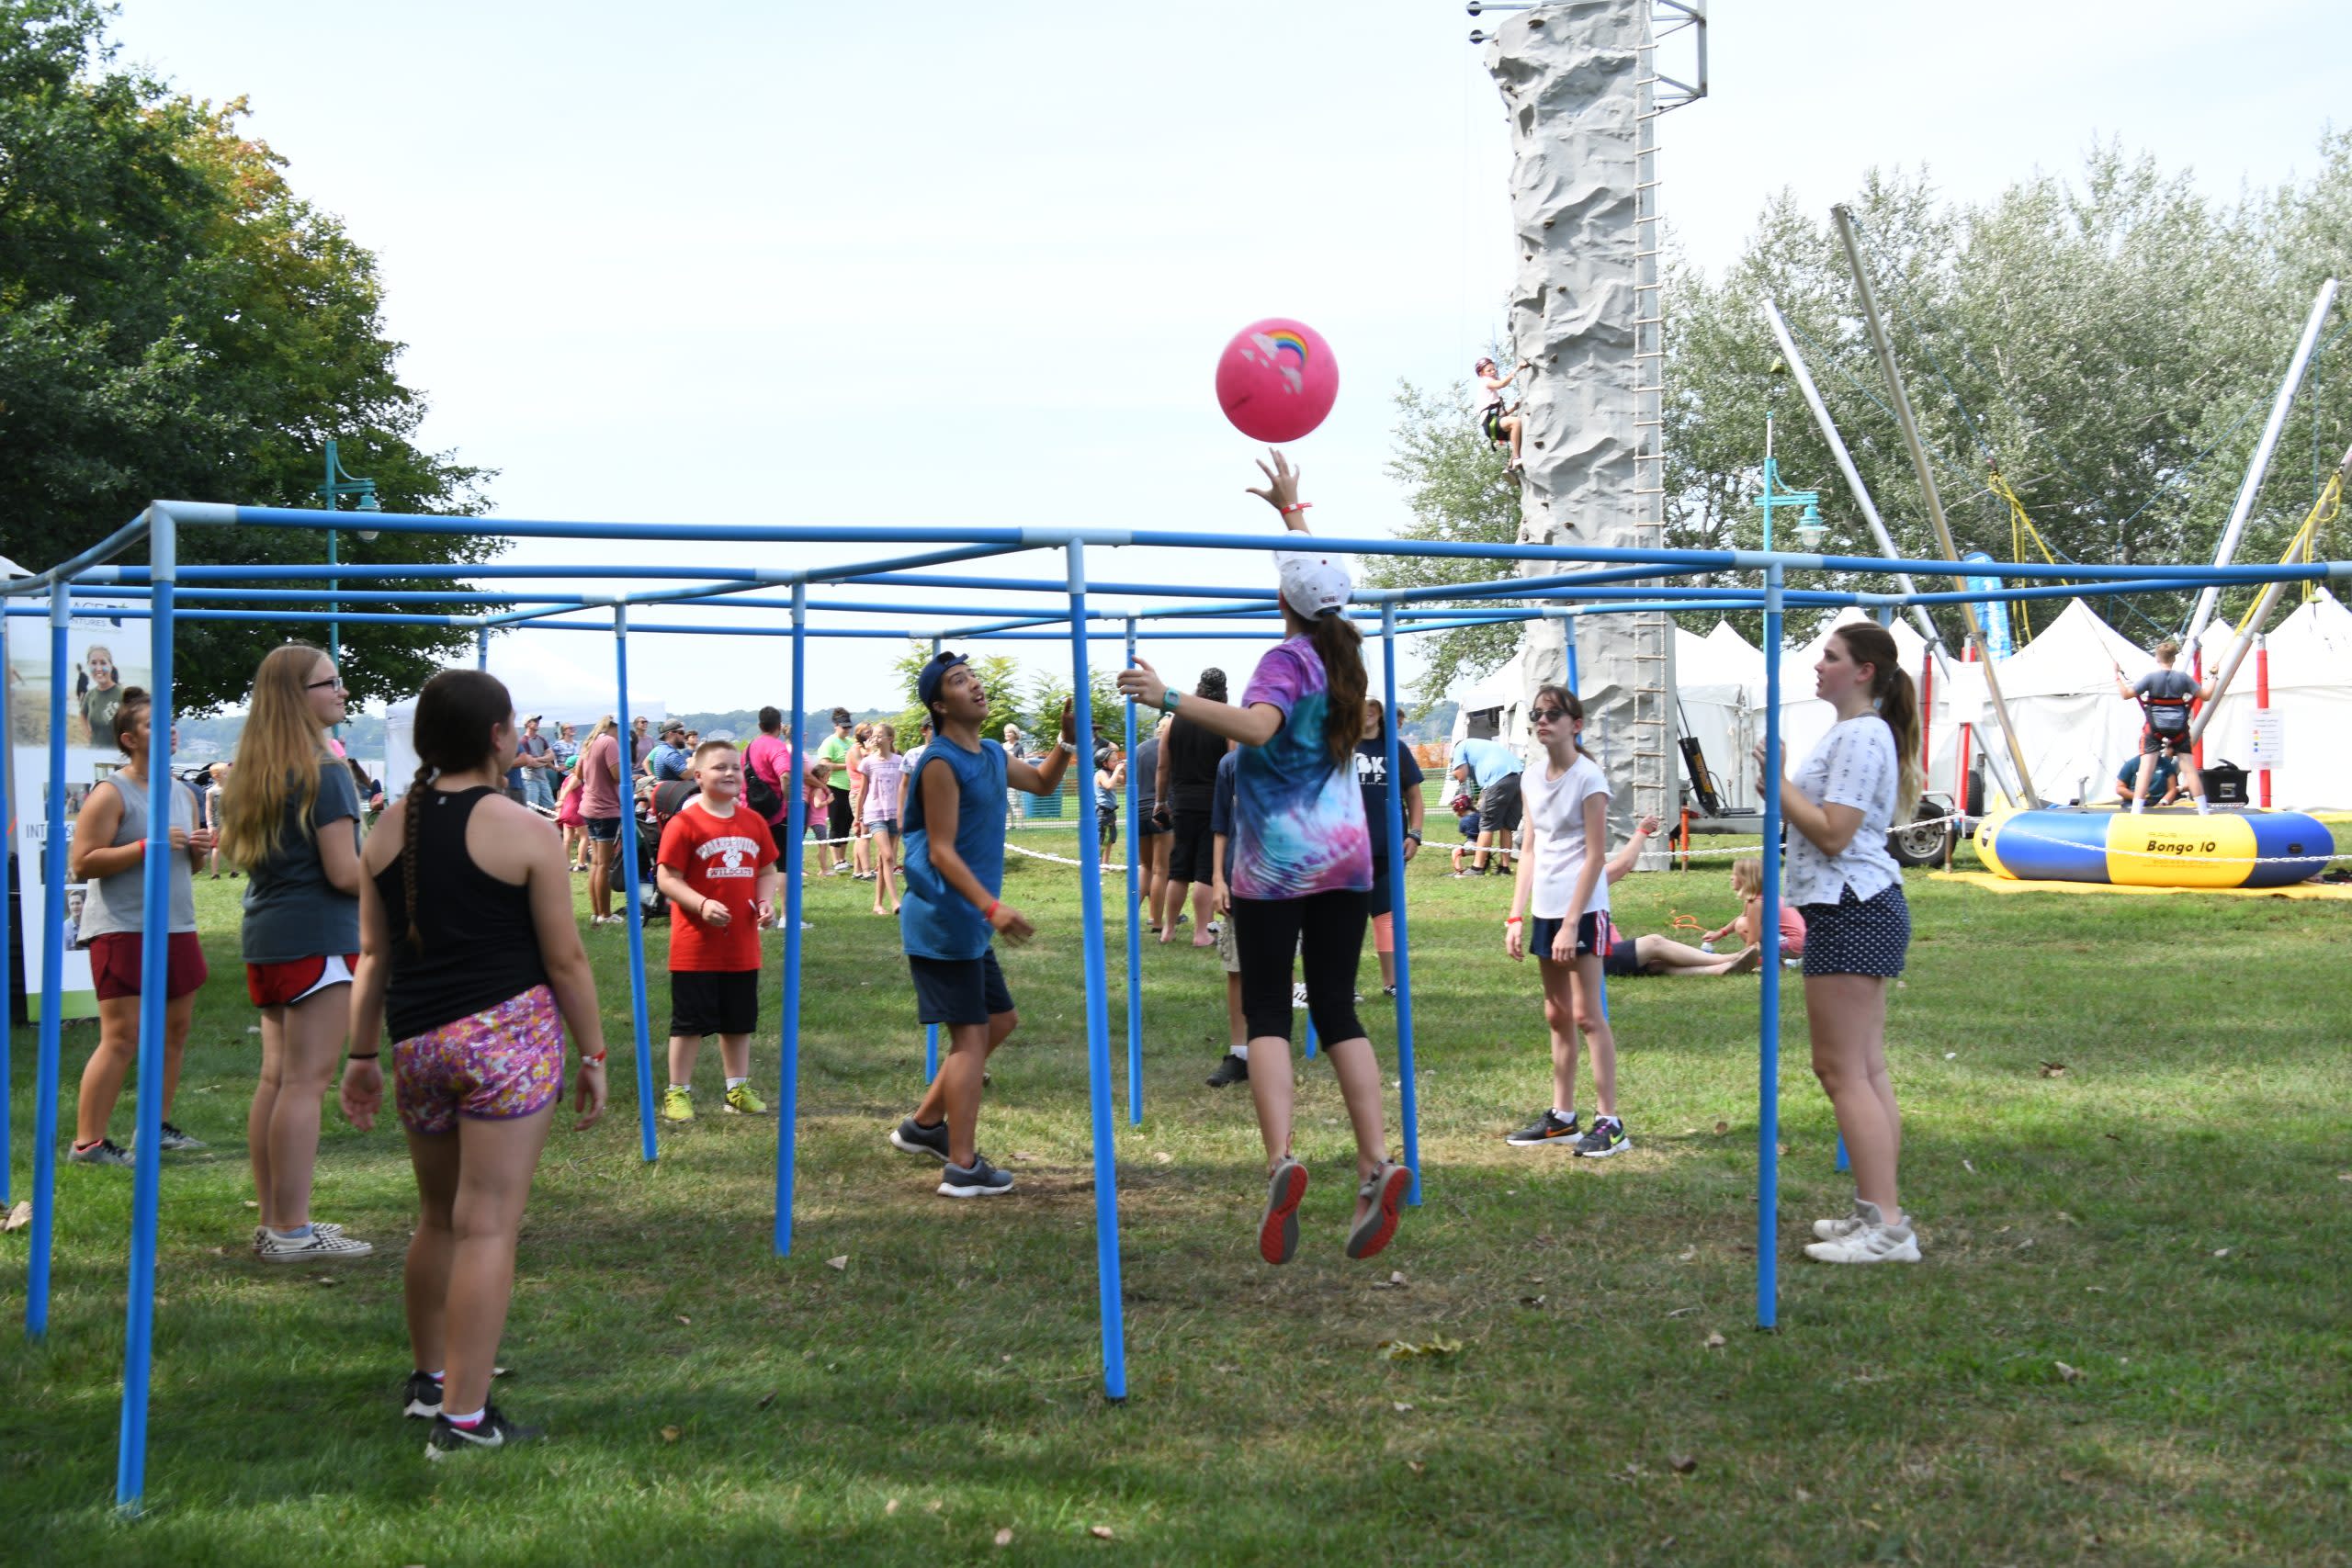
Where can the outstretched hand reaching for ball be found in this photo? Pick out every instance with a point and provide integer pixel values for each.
(1281, 488)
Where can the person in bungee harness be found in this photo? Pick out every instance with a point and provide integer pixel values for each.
(2166, 697)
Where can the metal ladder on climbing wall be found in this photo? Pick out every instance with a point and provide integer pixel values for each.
(1654, 754)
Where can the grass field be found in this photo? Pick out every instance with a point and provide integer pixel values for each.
(2169, 1216)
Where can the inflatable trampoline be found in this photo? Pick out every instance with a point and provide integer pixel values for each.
(2170, 848)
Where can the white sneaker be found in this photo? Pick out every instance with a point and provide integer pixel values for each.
(1872, 1240)
(1838, 1229)
(316, 1247)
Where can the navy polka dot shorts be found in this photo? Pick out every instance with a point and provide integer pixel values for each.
(1857, 936)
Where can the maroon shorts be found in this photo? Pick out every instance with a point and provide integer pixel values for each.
(281, 985)
(114, 961)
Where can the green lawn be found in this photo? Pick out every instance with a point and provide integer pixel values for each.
(2170, 1216)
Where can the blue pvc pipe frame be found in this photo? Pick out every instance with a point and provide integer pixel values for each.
(625, 849)
(1768, 1031)
(1135, 909)
(160, 523)
(796, 822)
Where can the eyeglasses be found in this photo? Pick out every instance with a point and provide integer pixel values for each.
(333, 680)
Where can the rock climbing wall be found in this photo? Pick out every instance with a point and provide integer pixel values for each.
(1584, 310)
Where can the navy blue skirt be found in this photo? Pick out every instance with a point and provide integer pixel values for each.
(1857, 936)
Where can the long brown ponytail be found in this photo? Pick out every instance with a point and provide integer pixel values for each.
(455, 715)
(1867, 642)
(1341, 648)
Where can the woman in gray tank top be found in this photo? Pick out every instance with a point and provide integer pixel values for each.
(108, 853)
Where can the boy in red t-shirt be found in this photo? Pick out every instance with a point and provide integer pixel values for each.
(717, 866)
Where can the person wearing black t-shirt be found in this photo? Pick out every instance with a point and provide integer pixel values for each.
(1188, 762)
(1372, 777)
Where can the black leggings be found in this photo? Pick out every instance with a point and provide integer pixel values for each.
(1326, 930)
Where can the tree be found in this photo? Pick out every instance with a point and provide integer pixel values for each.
(174, 320)
(1457, 491)
(999, 678)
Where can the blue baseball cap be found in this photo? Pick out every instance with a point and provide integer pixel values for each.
(934, 675)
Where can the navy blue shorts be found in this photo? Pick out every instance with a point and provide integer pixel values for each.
(1857, 936)
(958, 990)
(1592, 935)
(602, 830)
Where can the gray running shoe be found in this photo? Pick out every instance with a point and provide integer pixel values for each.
(978, 1179)
(104, 1152)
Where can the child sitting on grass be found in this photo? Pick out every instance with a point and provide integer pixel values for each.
(1747, 881)
(717, 866)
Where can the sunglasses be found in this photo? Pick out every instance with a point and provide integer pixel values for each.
(1542, 716)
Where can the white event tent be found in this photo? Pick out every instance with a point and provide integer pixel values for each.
(2060, 688)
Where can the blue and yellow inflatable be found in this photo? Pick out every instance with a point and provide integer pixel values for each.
(2172, 848)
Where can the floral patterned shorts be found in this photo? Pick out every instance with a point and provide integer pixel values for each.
(497, 1065)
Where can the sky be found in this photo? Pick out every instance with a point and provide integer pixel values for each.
(953, 263)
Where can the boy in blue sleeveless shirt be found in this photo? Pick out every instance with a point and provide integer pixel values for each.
(953, 826)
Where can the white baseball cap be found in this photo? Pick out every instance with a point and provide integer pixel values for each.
(1312, 584)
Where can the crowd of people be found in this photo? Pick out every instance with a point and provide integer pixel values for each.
(449, 927)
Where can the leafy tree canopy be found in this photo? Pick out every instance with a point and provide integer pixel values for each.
(177, 321)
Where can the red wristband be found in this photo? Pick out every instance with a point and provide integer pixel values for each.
(989, 913)
(1295, 506)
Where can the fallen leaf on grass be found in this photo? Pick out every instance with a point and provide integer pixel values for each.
(891, 1507)
(1967, 1167)
(1531, 1300)
(1682, 1311)
(2220, 1252)
(329, 1280)
(1687, 1253)
(683, 1318)
(838, 1264)
(1416, 1466)
(1401, 1408)
(1721, 1128)
(2067, 1373)
(1162, 1157)
(2053, 1069)
(1099, 1532)
(769, 1398)
(1683, 1463)
(251, 1204)
(1004, 1538)
(1404, 1351)
(934, 1504)
(1716, 1341)
(668, 1434)
(1397, 1278)
(20, 1215)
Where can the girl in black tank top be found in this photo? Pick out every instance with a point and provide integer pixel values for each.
(479, 974)
(476, 943)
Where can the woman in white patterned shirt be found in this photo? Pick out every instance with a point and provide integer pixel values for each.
(1862, 776)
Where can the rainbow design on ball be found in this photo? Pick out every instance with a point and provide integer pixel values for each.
(1283, 341)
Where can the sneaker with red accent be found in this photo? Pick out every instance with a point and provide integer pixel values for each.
(1277, 1232)
(1386, 1192)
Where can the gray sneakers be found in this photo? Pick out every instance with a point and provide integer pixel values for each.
(1866, 1238)
(104, 1152)
(319, 1247)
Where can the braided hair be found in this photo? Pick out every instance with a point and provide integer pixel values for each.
(457, 715)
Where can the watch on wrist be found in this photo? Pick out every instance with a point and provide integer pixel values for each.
(1168, 699)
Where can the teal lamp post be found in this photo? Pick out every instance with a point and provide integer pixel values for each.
(340, 483)
(1810, 527)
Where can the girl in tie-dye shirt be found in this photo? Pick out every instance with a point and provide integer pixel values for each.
(1302, 868)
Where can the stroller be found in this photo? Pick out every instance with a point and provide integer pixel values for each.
(656, 804)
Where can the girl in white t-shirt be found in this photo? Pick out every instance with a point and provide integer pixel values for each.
(1861, 778)
(1563, 858)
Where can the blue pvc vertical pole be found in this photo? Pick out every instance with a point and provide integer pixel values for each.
(1768, 1032)
(626, 850)
(1098, 1022)
(1311, 1050)
(154, 977)
(481, 654)
(796, 823)
(930, 1030)
(1409, 1098)
(52, 986)
(1134, 910)
(1843, 1163)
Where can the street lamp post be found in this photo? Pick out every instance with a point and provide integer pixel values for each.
(1810, 526)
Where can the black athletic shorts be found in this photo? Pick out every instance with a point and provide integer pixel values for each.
(958, 990)
(1592, 935)
(1499, 805)
(1493, 423)
(714, 1001)
(1193, 858)
(1325, 931)
(2154, 743)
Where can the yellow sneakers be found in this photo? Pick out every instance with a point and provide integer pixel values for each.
(742, 1101)
(677, 1104)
